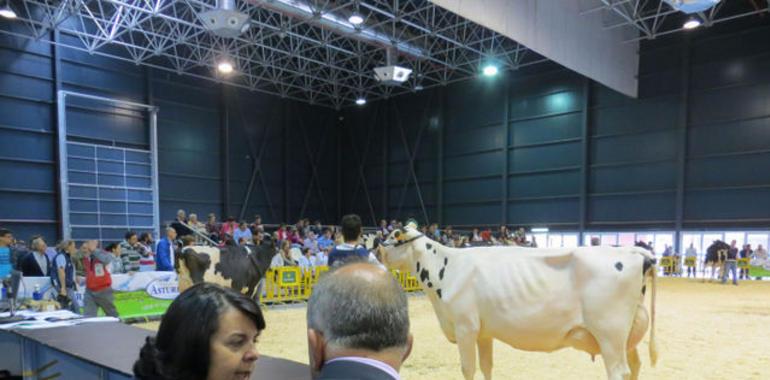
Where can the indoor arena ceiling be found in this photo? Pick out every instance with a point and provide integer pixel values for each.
(309, 50)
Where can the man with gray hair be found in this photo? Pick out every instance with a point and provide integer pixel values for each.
(358, 325)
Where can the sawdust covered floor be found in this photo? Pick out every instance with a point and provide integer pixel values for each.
(704, 331)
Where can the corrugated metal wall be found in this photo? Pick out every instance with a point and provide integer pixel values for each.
(553, 148)
(207, 134)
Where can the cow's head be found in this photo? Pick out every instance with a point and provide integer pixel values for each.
(396, 251)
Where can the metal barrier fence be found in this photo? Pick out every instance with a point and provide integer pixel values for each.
(292, 284)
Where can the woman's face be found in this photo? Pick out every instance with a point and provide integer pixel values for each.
(233, 347)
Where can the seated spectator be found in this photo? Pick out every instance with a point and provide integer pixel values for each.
(98, 281)
(36, 264)
(6, 253)
(306, 261)
(212, 227)
(63, 276)
(131, 252)
(317, 228)
(325, 240)
(447, 236)
(322, 257)
(179, 224)
(147, 262)
(164, 253)
(384, 227)
(294, 236)
(242, 235)
(358, 325)
(283, 257)
(116, 265)
(196, 226)
(350, 250)
(228, 229)
(219, 343)
(257, 225)
(281, 233)
(476, 237)
(311, 243)
(760, 253)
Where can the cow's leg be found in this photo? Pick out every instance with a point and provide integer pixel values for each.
(485, 356)
(634, 363)
(466, 343)
(613, 348)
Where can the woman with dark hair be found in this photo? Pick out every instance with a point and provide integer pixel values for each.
(208, 333)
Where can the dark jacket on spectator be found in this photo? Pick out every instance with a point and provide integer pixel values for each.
(30, 268)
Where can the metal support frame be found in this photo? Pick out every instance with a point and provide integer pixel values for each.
(224, 120)
(361, 158)
(313, 159)
(682, 136)
(585, 164)
(412, 156)
(62, 143)
(440, 157)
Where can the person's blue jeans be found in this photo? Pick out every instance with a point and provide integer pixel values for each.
(730, 266)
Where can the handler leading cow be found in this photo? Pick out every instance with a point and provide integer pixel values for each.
(589, 298)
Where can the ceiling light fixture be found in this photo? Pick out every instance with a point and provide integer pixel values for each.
(356, 19)
(360, 101)
(6, 10)
(225, 67)
(691, 23)
(490, 70)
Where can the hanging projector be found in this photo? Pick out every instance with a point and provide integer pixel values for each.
(392, 74)
(692, 6)
(225, 20)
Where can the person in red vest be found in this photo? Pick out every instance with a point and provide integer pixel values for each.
(98, 281)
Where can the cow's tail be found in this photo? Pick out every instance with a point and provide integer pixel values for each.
(653, 344)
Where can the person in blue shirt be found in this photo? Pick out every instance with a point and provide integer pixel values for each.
(350, 250)
(164, 253)
(63, 275)
(6, 239)
(242, 234)
(325, 240)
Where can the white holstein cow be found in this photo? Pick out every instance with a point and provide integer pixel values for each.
(589, 298)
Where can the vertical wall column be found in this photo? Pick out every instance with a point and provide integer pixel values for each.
(586, 158)
(682, 148)
(225, 156)
(57, 85)
(440, 157)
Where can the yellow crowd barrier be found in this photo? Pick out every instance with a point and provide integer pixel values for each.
(292, 284)
(743, 263)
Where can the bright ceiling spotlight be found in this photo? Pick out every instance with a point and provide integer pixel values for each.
(6, 10)
(691, 23)
(356, 19)
(360, 101)
(225, 67)
(490, 70)
(418, 87)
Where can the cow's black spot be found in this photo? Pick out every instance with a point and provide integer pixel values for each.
(430, 284)
(441, 274)
(429, 246)
(438, 291)
(619, 266)
(418, 268)
(424, 275)
(446, 260)
(644, 289)
(648, 263)
(434, 251)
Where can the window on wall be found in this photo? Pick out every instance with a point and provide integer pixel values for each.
(554, 240)
(709, 238)
(626, 239)
(738, 236)
(609, 239)
(757, 239)
(569, 240)
(695, 239)
(663, 240)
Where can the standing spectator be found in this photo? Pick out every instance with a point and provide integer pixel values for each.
(350, 250)
(212, 227)
(691, 252)
(745, 253)
(116, 265)
(98, 281)
(179, 224)
(731, 264)
(228, 229)
(257, 225)
(761, 253)
(242, 235)
(131, 252)
(164, 253)
(147, 262)
(37, 263)
(6, 254)
(306, 260)
(63, 276)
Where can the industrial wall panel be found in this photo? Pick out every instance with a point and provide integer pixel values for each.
(27, 176)
(745, 170)
(639, 208)
(472, 190)
(474, 140)
(731, 137)
(482, 164)
(644, 115)
(739, 205)
(658, 145)
(534, 212)
(544, 184)
(544, 157)
(469, 215)
(546, 105)
(474, 104)
(641, 177)
(542, 130)
(731, 103)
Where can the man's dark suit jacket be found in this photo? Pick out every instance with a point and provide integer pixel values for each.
(346, 370)
(30, 268)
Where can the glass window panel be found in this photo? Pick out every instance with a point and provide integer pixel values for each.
(609, 239)
(662, 240)
(647, 238)
(569, 240)
(554, 240)
(694, 239)
(541, 239)
(756, 239)
(626, 239)
(709, 238)
(587, 238)
(738, 236)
